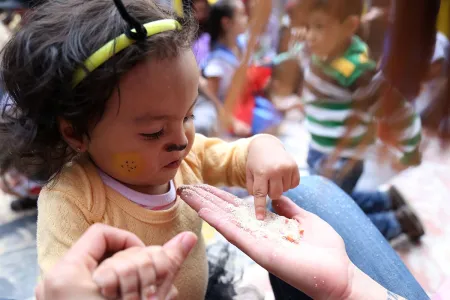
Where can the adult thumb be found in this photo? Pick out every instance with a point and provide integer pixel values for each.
(179, 247)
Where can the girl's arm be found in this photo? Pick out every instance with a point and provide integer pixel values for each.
(211, 95)
(213, 85)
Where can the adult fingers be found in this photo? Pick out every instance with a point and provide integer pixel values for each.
(205, 197)
(168, 259)
(195, 198)
(225, 196)
(100, 239)
(260, 191)
(179, 247)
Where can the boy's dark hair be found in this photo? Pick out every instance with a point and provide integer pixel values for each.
(38, 66)
(338, 8)
(221, 9)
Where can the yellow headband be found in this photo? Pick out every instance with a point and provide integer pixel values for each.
(118, 44)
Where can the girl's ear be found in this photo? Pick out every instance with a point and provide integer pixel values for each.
(77, 143)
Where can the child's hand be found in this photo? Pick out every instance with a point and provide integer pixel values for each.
(144, 272)
(270, 171)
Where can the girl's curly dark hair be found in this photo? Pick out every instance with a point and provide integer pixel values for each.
(39, 62)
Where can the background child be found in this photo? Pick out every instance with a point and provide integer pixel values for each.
(228, 21)
(208, 105)
(341, 94)
(119, 142)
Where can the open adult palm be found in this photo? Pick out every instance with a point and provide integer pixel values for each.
(318, 265)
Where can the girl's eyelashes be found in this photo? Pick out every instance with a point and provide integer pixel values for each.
(190, 117)
(157, 135)
(152, 136)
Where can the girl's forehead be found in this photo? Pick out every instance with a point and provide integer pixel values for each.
(161, 87)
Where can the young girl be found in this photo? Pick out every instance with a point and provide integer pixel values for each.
(227, 22)
(118, 139)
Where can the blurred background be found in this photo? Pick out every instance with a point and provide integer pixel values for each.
(273, 99)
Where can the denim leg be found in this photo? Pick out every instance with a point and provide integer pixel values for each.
(387, 224)
(316, 161)
(372, 201)
(365, 245)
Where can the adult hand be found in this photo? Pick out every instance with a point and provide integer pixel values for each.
(72, 276)
(318, 265)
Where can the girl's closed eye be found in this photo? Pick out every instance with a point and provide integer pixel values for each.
(152, 136)
(188, 118)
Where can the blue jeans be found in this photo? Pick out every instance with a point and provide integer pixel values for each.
(375, 204)
(365, 246)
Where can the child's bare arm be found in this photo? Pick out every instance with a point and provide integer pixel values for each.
(209, 89)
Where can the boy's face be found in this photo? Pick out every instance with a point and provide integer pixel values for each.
(148, 130)
(327, 33)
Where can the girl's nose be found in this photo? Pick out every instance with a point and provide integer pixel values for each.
(178, 142)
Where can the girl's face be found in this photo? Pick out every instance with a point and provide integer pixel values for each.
(147, 128)
(201, 10)
(238, 24)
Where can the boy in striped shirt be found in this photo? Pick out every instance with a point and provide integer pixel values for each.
(342, 94)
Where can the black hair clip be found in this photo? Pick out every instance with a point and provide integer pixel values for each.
(140, 32)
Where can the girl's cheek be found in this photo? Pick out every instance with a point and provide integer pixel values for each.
(128, 164)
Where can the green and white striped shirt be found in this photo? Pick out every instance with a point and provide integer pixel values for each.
(347, 90)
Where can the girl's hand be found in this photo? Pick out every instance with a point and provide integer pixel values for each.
(144, 272)
(318, 265)
(270, 171)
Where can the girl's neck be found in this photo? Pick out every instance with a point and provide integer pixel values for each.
(151, 189)
(229, 41)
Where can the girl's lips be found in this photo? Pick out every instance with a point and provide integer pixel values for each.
(173, 165)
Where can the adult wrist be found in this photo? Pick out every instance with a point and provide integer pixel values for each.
(361, 286)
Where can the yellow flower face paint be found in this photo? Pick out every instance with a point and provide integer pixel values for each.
(128, 164)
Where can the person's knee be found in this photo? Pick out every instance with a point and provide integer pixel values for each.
(317, 193)
(315, 186)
